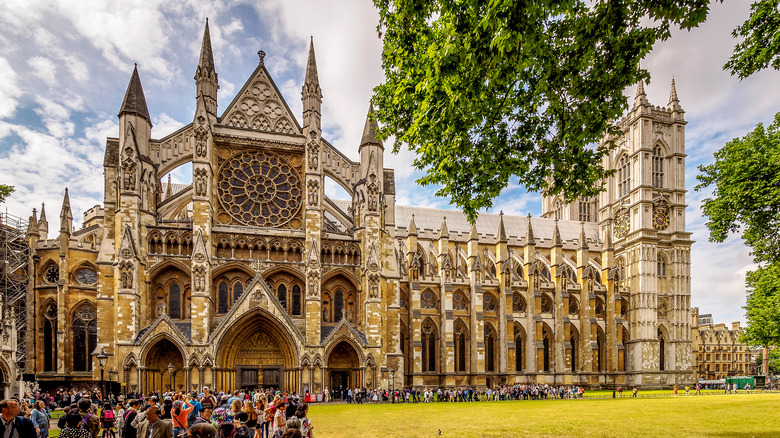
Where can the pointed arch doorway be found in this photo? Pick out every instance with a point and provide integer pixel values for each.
(343, 369)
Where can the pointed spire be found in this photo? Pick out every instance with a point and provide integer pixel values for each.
(473, 235)
(674, 102)
(66, 217)
(312, 79)
(641, 97)
(583, 238)
(370, 129)
(529, 233)
(411, 230)
(557, 235)
(206, 62)
(206, 79)
(32, 225)
(168, 188)
(444, 233)
(135, 102)
(501, 229)
(42, 222)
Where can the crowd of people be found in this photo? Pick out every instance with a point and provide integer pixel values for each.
(466, 394)
(255, 414)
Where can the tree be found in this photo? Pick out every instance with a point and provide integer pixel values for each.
(761, 45)
(746, 197)
(488, 91)
(763, 307)
(5, 191)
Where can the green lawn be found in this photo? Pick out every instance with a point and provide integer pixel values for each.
(717, 415)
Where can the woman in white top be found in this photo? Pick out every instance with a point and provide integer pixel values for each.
(280, 420)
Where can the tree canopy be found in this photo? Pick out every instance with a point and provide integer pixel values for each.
(485, 92)
(746, 181)
(761, 45)
(5, 191)
(763, 307)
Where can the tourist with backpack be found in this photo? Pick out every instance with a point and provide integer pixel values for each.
(107, 420)
(179, 416)
(89, 421)
(129, 431)
(73, 427)
(40, 419)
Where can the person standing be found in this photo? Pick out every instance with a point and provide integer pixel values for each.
(71, 427)
(40, 419)
(128, 430)
(153, 427)
(11, 424)
(90, 421)
(181, 410)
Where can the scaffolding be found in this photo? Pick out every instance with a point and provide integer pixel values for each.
(14, 277)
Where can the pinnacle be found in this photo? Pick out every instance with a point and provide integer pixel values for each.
(206, 54)
(412, 228)
(583, 238)
(444, 232)
(529, 233)
(370, 129)
(557, 235)
(501, 229)
(311, 67)
(641, 96)
(473, 235)
(135, 102)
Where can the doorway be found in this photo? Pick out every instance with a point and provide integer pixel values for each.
(339, 383)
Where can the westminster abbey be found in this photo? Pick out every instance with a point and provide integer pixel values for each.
(252, 277)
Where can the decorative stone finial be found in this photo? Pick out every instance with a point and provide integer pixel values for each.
(261, 54)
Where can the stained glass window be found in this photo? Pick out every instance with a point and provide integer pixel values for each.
(296, 300)
(84, 337)
(222, 297)
(174, 301)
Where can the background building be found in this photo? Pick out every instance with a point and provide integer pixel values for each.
(252, 277)
(717, 352)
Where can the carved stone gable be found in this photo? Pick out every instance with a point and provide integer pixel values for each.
(260, 106)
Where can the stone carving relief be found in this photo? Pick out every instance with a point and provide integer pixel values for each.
(373, 286)
(128, 174)
(201, 182)
(313, 187)
(313, 150)
(373, 193)
(201, 135)
(199, 279)
(260, 108)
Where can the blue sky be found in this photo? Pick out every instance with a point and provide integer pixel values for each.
(64, 71)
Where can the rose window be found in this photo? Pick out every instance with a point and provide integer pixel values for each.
(259, 188)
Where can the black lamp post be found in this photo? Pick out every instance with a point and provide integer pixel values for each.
(102, 357)
(170, 374)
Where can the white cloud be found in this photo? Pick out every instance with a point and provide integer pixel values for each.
(44, 68)
(9, 88)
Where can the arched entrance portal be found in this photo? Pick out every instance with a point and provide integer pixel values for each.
(257, 352)
(343, 369)
(157, 375)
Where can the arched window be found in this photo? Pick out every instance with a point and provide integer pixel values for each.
(460, 346)
(174, 301)
(428, 347)
(661, 351)
(573, 344)
(459, 301)
(281, 293)
(518, 303)
(661, 266)
(624, 176)
(296, 300)
(50, 338)
(490, 353)
(519, 363)
(489, 303)
(338, 305)
(600, 349)
(84, 337)
(558, 209)
(587, 207)
(546, 345)
(222, 297)
(238, 289)
(625, 349)
(658, 167)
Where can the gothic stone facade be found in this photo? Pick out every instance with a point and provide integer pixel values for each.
(251, 276)
(717, 351)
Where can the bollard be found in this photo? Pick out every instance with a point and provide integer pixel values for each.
(613, 393)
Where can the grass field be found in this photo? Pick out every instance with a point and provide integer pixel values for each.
(706, 416)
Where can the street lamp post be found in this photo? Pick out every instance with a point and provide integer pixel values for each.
(170, 373)
(102, 357)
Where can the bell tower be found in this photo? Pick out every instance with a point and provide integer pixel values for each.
(643, 210)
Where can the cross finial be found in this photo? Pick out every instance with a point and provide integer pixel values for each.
(261, 54)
